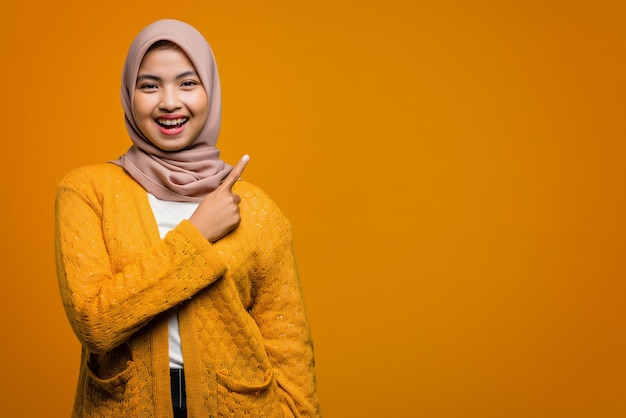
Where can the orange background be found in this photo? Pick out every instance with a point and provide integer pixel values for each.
(453, 171)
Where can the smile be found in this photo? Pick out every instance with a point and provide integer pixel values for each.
(172, 123)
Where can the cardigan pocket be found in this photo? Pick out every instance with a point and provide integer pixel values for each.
(116, 385)
(255, 398)
(110, 372)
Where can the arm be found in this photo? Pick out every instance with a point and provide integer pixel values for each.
(106, 303)
(279, 311)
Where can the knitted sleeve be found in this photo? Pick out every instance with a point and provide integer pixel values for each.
(279, 311)
(105, 302)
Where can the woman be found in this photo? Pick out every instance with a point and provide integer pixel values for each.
(177, 277)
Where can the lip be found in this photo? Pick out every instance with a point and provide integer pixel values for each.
(171, 131)
(171, 116)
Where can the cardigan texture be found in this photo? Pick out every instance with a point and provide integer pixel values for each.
(244, 330)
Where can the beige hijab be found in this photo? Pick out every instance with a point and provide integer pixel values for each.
(191, 173)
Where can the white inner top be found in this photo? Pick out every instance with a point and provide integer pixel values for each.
(169, 214)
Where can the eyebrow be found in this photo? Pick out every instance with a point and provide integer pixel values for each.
(157, 78)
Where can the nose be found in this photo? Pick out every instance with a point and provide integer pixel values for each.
(169, 100)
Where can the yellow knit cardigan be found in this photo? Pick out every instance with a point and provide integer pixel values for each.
(244, 331)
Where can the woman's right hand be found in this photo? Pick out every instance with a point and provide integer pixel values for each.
(218, 212)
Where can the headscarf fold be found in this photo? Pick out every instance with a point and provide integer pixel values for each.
(191, 173)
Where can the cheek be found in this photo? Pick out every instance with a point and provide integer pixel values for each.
(198, 101)
(142, 112)
(202, 106)
(140, 108)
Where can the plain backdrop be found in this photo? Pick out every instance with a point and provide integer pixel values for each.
(453, 170)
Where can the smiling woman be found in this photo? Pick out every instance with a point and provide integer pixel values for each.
(178, 279)
(170, 103)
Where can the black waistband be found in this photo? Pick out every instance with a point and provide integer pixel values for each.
(177, 383)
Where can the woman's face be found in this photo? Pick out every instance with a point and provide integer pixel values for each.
(170, 103)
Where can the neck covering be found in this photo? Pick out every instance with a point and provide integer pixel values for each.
(191, 173)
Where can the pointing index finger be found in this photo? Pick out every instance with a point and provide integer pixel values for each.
(234, 175)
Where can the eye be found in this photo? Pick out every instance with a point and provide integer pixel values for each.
(147, 86)
(190, 83)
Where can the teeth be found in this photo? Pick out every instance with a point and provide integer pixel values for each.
(172, 122)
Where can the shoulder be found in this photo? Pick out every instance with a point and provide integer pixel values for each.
(245, 189)
(97, 183)
(256, 201)
(93, 175)
(252, 194)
